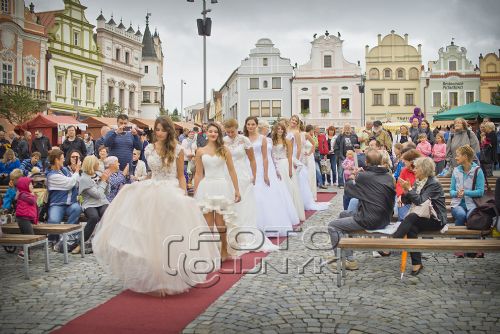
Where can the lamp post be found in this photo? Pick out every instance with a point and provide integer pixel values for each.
(204, 29)
(182, 96)
(361, 87)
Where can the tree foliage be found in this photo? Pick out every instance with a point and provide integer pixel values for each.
(109, 109)
(17, 105)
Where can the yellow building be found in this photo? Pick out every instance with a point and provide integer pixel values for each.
(489, 66)
(393, 70)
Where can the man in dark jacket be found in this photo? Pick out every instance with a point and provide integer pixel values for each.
(73, 143)
(375, 189)
(201, 138)
(41, 144)
(345, 142)
(23, 148)
(122, 142)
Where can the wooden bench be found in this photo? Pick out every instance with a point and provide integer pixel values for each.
(412, 245)
(61, 229)
(26, 241)
(453, 232)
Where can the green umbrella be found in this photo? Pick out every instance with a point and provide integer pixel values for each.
(470, 111)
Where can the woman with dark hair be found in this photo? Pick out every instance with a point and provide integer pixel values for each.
(331, 136)
(146, 235)
(425, 127)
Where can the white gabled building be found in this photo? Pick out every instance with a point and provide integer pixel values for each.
(153, 88)
(260, 86)
(121, 51)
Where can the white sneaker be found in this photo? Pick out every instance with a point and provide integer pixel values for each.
(376, 254)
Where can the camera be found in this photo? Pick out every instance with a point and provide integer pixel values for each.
(127, 128)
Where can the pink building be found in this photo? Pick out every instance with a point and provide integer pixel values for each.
(325, 90)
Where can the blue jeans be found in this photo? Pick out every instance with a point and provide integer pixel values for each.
(403, 211)
(460, 214)
(57, 213)
(340, 172)
(319, 178)
(333, 164)
(353, 205)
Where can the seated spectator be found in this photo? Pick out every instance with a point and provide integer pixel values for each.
(28, 164)
(26, 208)
(398, 161)
(92, 190)
(7, 165)
(117, 178)
(374, 188)
(461, 191)
(426, 187)
(63, 191)
(103, 154)
(137, 168)
(72, 161)
(407, 174)
(10, 195)
(423, 145)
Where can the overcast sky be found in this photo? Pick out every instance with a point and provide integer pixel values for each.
(290, 24)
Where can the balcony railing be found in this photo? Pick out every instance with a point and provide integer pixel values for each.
(37, 94)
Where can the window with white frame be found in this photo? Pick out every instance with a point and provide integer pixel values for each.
(453, 99)
(264, 84)
(5, 6)
(304, 106)
(327, 61)
(393, 99)
(131, 100)
(30, 77)
(90, 88)
(325, 106)
(345, 103)
(146, 69)
(60, 84)
(7, 74)
(452, 65)
(469, 97)
(156, 97)
(127, 57)
(377, 99)
(436, 99)
(254, 108)
(111, 94)
(400, 73)
(76, 38)
(276, 83)
(276, 112)
(146, 96)
(387, 73)
(409, 101)
(121, 98)
(265, 108)
(254, 83)
(264, 61)
(75, 88)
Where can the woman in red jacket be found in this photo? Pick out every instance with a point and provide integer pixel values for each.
(407, 174)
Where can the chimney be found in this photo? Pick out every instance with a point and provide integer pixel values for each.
(406, 38)
(379, 38)
(366, 49)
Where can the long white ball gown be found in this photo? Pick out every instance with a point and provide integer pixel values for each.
(152, 234)
(280, 159)
(249, 237)
(309, 161)
(303, 179)
(273, 217)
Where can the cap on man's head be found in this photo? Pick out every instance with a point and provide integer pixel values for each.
(377, 123)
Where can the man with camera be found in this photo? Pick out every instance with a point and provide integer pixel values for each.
(122, 141)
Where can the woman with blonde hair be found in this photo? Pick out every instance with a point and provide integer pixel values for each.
(92, 190)
(147, 234)
(7, 165)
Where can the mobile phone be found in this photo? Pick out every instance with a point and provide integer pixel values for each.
(127, 128)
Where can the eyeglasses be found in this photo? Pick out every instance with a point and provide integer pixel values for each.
(75, 157)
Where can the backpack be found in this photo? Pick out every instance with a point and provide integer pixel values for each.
(481, 217)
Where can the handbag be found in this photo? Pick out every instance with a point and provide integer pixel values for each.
(482, 216)
(424, 210)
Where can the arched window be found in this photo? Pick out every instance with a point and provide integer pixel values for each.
(413, 73)
(387, 73)
(374, 74)
(400, 73)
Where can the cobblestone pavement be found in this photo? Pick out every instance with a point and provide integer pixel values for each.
(448, 296)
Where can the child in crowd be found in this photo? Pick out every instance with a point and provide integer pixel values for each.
(398, 162)
(439, 153)
(10, 195)
(325, 167)
(424, 146)
(26, 208)
(348, 164)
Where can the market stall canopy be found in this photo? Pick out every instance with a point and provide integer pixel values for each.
(144, 123)
(394, 126)
(99, 122)
(470, 111)
(435, 124)
(51, 126)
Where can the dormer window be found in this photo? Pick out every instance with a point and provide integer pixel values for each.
(327, 61)
(452, 65)
(264, 61)
(76, 38)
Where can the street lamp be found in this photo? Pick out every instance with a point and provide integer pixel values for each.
(182, 96)
(204, 29)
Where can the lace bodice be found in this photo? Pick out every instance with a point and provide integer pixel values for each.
(279, 152)
(158, 170)
(238, 147)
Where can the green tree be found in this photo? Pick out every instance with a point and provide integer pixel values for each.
(109, 109)
(495, 97)
(163, 111)
(175, 115)
(18, 105)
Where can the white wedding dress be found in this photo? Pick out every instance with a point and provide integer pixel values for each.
(249, 237)
(273, 216)
(309, 161)
(153, 235)
(303, 179)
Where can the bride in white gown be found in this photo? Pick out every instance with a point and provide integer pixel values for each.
(213, 192)
(249, 237)
(308, 159)
(294, 134)
(152, 234)
(271, 211)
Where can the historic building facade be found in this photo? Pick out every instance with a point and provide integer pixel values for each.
(490, 75)
(450, 81)
(23, 50)
(74, 71)
(153, 88)
(260, 86)
(393, 70)
(325, 90)
(121, 51)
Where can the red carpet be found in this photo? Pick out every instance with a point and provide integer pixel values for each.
(131, 312)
